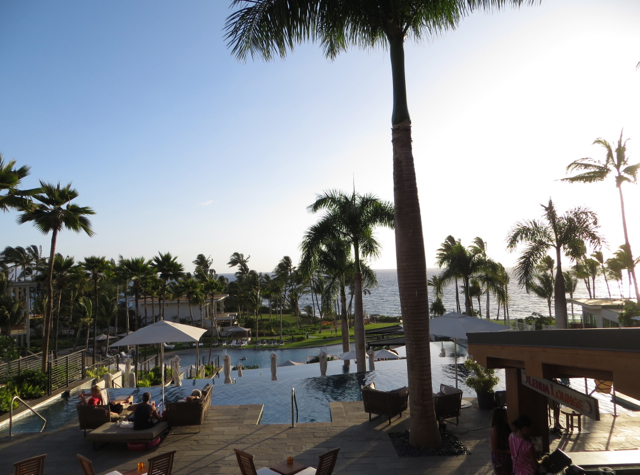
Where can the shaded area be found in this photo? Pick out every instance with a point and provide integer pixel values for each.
(450, 446)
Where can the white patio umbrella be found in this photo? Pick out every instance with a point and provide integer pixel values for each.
(371, 354)
(386, 355)
(175, 370)
(162, 332)
(227, 369)
(349, 355)
(239, 366)
(274, 367)
(401, 350)
(455, 325)
(322, 358)
(127, 371)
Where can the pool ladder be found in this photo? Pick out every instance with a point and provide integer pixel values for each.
(28, 407)
(294, 402)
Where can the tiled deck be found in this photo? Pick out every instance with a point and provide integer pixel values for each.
(365, 447)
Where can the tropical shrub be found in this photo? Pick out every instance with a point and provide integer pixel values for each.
(483, 380)
(538, 320)
(6, 394)
(30, 383)
(8, 348)
(631, 309)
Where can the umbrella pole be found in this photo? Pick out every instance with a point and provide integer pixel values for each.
(162, 371)
(197, 357)
(455, 347)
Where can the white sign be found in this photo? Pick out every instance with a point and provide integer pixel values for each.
(575, 400)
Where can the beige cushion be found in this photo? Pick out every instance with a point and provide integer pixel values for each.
(266, 471)
(110, 432)
(307, 471)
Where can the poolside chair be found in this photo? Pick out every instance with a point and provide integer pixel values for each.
(245, 462)
(87, 466)
(32, 466)
(326, 464)
(161, 464)
(448, 403)
(387, 403)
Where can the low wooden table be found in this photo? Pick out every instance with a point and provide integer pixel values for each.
(285, 468)
(135, 471)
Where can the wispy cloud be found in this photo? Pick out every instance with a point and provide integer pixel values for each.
(206, 203)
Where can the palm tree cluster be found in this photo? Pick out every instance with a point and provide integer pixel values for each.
(473, 274)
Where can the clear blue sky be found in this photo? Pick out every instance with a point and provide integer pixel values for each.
(181, 148)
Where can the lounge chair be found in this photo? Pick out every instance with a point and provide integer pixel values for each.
(448, 403)
(326, 464)
(87, 466)
(32, 466)
(92, 417)
(224, 343)
(192, 413)
(245, 462)
(387, 403)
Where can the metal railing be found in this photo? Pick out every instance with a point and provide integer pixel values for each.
(30, 408)
(65, 370)
(294, 402)
(15, 367)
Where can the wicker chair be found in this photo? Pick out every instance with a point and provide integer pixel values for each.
(92, 417)
(32, 466)
(387, 403)
(326, 464)
(245, 462)
(448, 403)
(161, 464)
(192, 413)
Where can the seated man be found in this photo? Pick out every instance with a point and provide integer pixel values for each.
(145, 413)
(196, 394)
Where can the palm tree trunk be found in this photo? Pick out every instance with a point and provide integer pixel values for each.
(191, 314)
(626, 241)
(457, 295)
(95, 321)
(48, 314)
(358, 325)
(411, 262)
(488, 316)
(560, 294)
(57, 323)
(345, 321)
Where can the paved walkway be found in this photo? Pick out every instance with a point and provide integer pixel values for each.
(365, 447)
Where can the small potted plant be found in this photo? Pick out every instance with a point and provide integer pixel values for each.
(482, 381)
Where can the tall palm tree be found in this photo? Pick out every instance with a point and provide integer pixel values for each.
(62, 268)
(444, 257)
(571, 285)
(51, 213)
(10, 178)
(138, 270)
(602, 268)
(614, 269)
(169, 269)
(559, 233)
(617, 164)
(352, 218)
(97, 267)
(272, 27)
(543, 282)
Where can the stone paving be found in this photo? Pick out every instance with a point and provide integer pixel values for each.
(365, 447)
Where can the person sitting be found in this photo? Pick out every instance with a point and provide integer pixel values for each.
(196, 394)
(523, 452)
(94, 398)
(145, 413)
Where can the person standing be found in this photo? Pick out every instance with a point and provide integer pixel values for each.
(499, 440)
(523, 453)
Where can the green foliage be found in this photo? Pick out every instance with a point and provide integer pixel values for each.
(6, 394)
(385, 319)
(538, 320)
(8, 348)
(437, 308)
(33, 380)
(631, 309)
(209, 369)
(483, 380)
(97, 373)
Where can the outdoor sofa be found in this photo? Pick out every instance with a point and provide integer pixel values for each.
(387, 403)
(111, 432)
(92, 417)
(190, 413)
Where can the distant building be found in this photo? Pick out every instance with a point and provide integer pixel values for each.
(599, 313)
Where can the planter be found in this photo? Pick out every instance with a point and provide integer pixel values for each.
(485, 400)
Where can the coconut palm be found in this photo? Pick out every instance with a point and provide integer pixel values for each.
(444, 257)
(191, 289)
(614, 269)
(625, 259)
(169, 269)
(137, 270)
(543, 283)
(617, 164)
(559, 233)
(464, 264)
(51, 213)
(570, 286)
(10, 178)
(62, 268)
(272, 27)
(602, 268)
(97, 267)
(11, 310)
(352, 218)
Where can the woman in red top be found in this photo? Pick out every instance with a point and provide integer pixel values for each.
(93, 399)
(523, 453)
